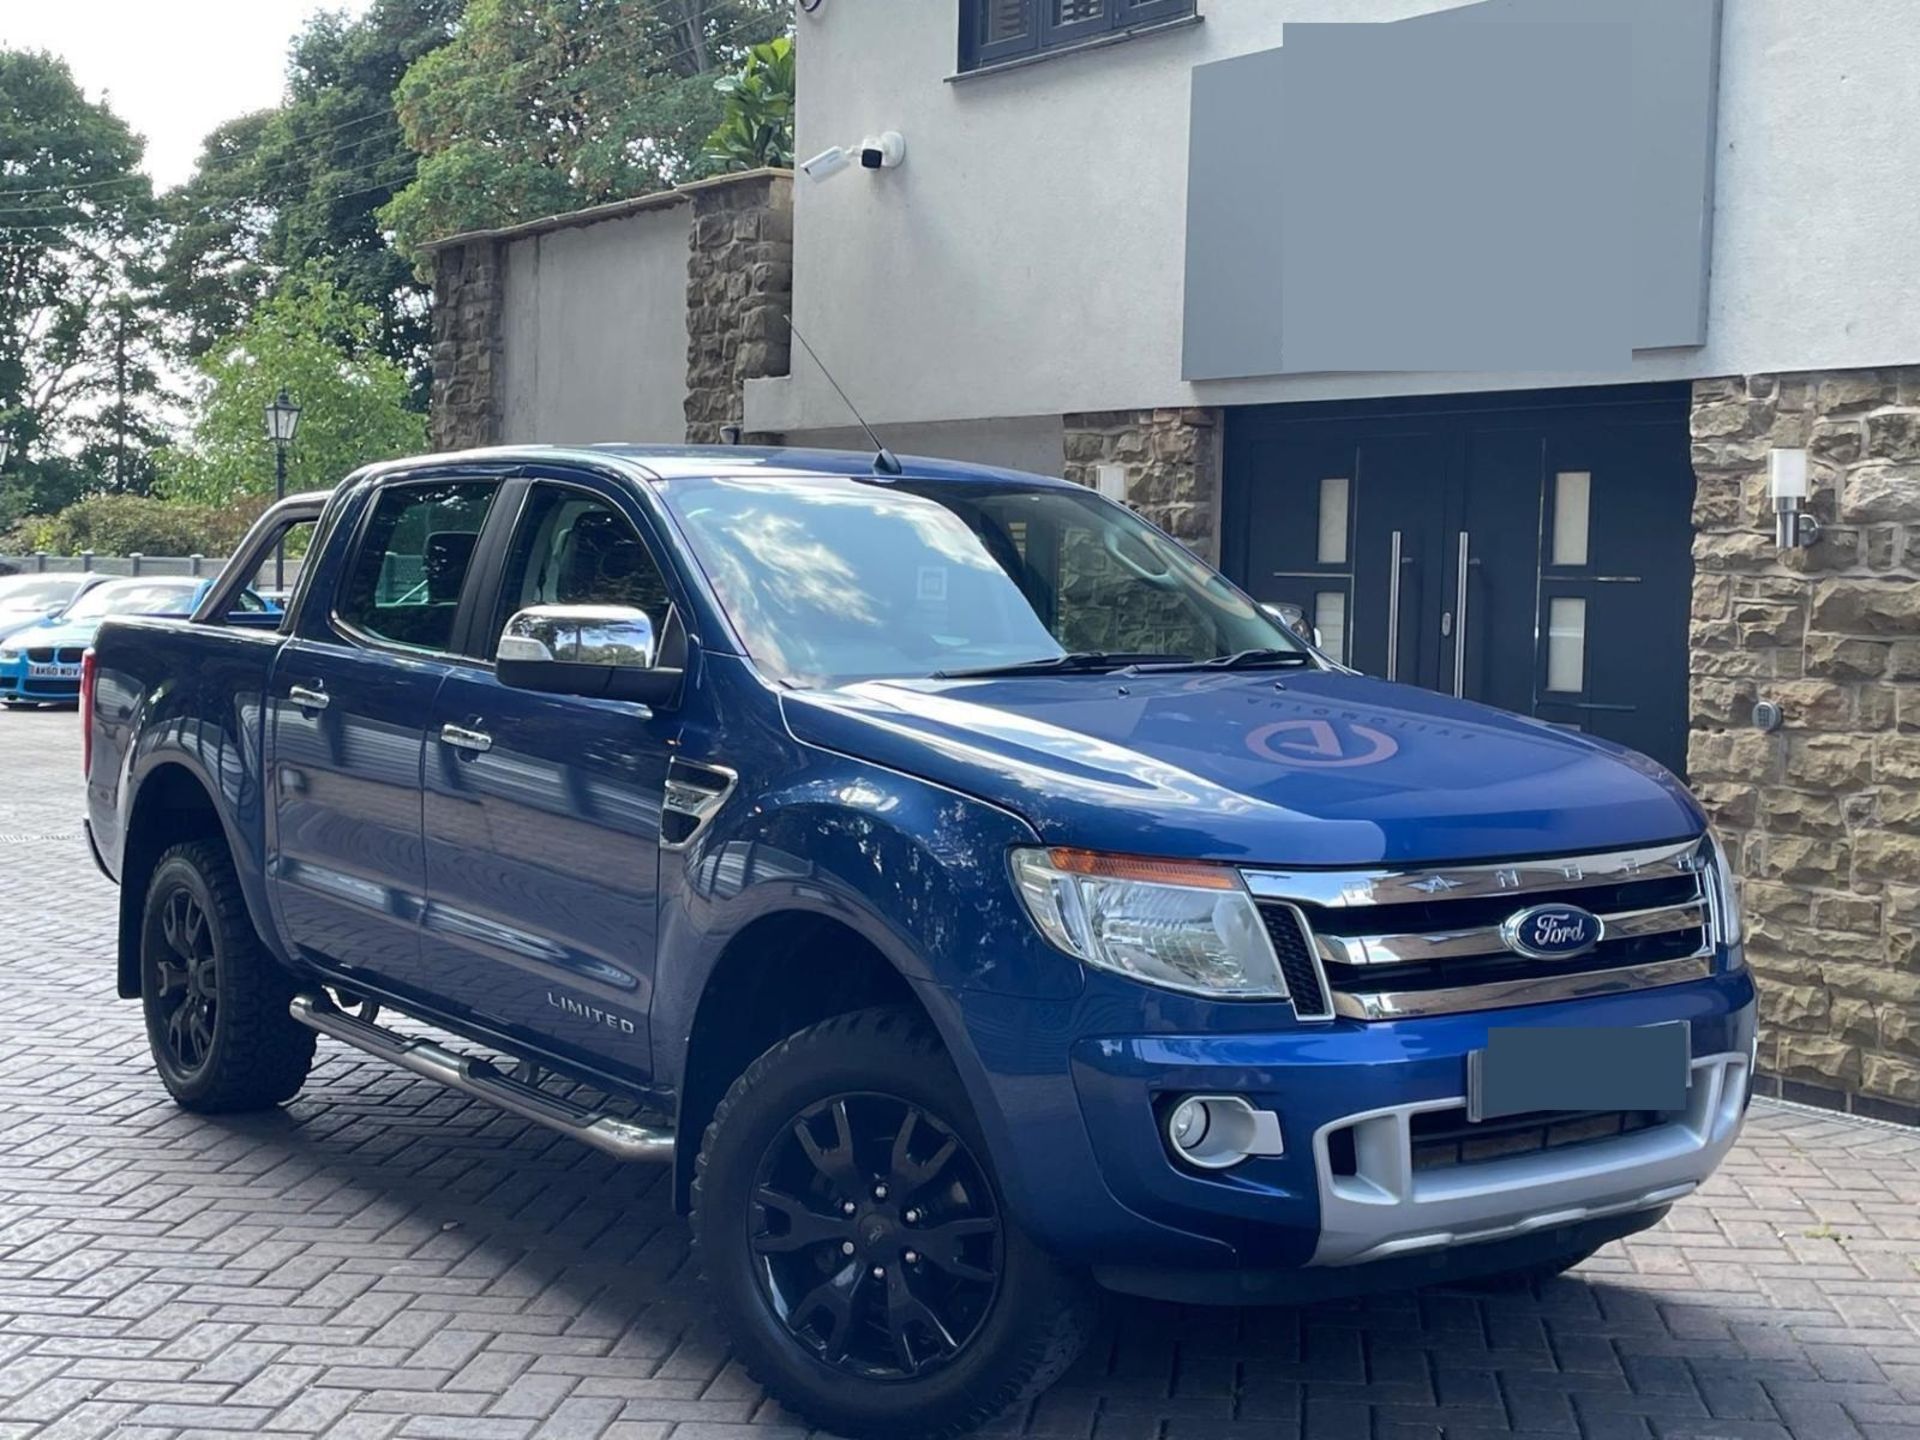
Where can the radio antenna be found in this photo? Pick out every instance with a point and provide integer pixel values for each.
(884, 462)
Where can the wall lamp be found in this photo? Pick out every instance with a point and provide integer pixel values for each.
(1794, 528)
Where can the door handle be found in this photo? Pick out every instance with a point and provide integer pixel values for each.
(461, 738)
(308, 698)
(1460, 618)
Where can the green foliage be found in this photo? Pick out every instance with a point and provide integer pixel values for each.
(758, 128)
(544, 106)
(80, 378)
(302, 186)
(323, 347)
(131, 525)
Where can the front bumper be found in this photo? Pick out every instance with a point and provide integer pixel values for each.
(1116, 1200)
(17, 684)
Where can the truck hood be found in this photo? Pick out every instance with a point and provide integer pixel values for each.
(1267, 767)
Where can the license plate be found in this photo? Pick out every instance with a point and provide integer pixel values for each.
(52, 672)
(1574, 1068)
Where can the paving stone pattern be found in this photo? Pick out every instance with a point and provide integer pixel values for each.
(385, 1258)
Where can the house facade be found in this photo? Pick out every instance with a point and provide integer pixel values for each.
(1472, 330)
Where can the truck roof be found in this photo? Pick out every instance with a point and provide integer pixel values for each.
(670, 462)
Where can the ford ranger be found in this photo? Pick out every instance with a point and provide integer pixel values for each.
(975, 898)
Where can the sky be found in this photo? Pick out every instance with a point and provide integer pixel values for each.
(172, 69)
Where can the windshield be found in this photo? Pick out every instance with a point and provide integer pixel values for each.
(37, 592)
(132, 598)
(828, 580)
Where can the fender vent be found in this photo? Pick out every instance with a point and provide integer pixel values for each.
(694, 795)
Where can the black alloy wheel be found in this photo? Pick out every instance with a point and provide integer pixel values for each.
(215, 999)
(188, 996)
(876, 1237)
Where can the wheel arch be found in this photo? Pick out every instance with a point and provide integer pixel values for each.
(782, 972)
(172, 803)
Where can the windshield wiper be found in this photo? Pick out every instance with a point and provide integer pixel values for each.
(1074, 662)
(1239, 660)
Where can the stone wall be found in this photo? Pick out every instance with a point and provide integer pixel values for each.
(1825, 813)
(1172, 462)
(467, 290)
(739, 294)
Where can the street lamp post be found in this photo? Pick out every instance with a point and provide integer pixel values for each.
(283, 418)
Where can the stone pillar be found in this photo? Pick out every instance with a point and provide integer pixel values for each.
(739, 294)
(1824, 815)
(1172, 464)
(468, 282)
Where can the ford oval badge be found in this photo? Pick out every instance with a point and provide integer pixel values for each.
(1552, 932)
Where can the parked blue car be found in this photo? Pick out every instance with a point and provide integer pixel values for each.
(28, 599)
(40, 661)
(969, 891)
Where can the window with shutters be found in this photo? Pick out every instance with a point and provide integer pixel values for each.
(995, 31)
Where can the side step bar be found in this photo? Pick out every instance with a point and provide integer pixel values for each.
(620, 1138)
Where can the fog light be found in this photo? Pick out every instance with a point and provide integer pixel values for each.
(1214, 1132)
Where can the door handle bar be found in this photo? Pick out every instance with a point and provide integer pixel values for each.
(461, 738)
(1460, 618)
(308, 698)
(1393, 609)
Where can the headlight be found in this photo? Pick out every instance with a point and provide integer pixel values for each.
(1180, 924)
(1723, 895)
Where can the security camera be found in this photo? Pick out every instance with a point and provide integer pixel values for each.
(876, 152)
(883, 151)
(830, 161)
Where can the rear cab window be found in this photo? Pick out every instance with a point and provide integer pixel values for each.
(404, 583)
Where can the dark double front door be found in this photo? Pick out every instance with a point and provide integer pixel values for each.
(1532, 552)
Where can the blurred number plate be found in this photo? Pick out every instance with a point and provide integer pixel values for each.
(1611, 1068)
(52, 672)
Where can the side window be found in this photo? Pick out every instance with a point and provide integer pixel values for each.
(572, 548)
(405, 583)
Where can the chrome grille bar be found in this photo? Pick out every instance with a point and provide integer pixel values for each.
(1339, 889)
(1500, 994)
(1485, 940)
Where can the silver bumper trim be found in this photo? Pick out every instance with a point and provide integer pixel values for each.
(1389, 1208)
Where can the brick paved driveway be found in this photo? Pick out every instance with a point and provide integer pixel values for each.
(385, 1258)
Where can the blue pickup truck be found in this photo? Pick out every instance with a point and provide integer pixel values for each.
(975, 898)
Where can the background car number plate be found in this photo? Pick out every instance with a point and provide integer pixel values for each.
(49, 671)
(1580, 1068)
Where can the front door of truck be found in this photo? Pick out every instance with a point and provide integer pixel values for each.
(347, 708)
(542, 812)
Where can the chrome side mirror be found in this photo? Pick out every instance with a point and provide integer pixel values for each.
(606, 651)
(1292, 618)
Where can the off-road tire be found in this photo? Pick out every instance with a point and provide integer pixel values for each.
(1042, 1312)
(258, 1055)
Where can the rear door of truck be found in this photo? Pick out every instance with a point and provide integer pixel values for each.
(347, 712)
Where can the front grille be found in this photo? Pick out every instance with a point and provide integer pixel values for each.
(61, 655)
(1390, 943)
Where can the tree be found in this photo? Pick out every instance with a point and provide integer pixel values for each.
(78, 382)
(323, 347)
(758, 127)
(544, 106)
(132, 525)
(302, 186)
